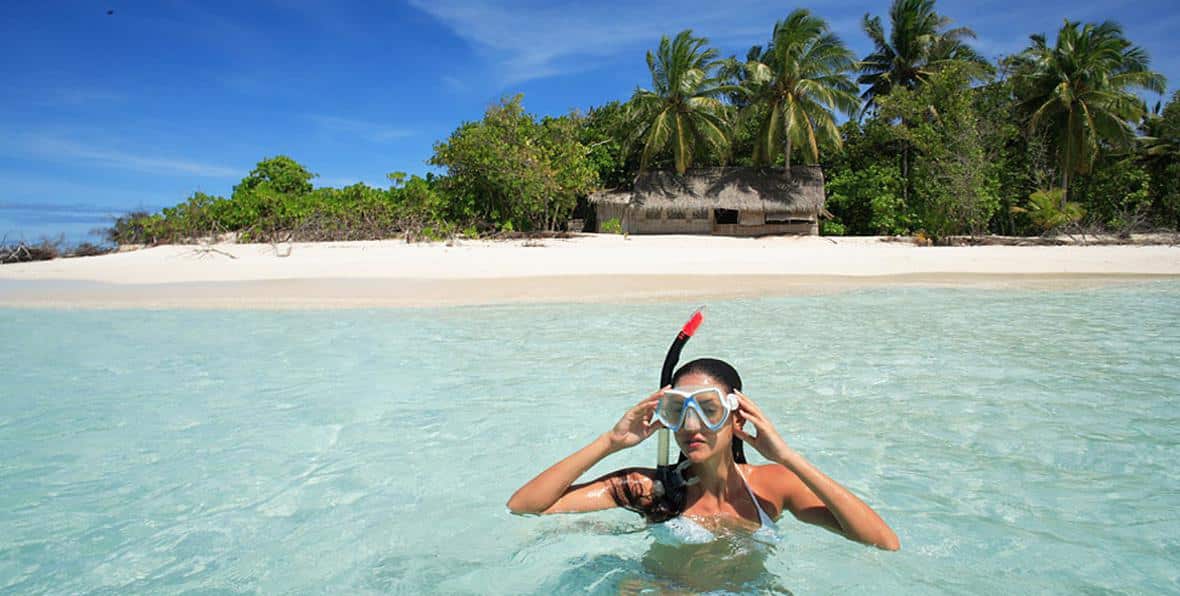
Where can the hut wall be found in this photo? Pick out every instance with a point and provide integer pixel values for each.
(657, 221)
(648, 226)
(801, 228)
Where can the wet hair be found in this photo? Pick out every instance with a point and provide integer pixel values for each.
(658, 506)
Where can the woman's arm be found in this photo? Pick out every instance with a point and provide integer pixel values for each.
(819, 500)
(553, 490)
(810, 494)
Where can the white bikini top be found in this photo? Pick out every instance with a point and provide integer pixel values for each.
(685, 530)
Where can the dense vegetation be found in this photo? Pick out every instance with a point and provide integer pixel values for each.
(937, 140)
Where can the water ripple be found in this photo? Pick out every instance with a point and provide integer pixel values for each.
(1018, 441)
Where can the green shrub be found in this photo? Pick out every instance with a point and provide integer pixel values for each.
(1114, 194)
(868, 201)
(1046, 210)
(611, 226)
(830, 227)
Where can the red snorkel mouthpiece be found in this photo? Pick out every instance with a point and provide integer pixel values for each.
(673, 355)
(694, 321)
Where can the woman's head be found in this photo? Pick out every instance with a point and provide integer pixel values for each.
(698, 443)
(668, 500)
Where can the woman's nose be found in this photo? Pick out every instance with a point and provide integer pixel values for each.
(692, 421)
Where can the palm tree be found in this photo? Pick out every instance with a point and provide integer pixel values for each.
(919, 44)
(799, 80)
(1161, 134)
(684, 106)
(1080, 91)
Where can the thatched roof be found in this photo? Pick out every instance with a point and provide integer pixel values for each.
(744, 189)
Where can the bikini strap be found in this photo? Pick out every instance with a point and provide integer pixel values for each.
(763, 519)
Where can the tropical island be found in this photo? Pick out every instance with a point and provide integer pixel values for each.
(923, 139)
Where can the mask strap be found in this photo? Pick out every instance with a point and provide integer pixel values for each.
(680, 468)
(731, 401)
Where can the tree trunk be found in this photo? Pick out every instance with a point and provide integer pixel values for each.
(787, 157)
(1064, 186)
(905, 175)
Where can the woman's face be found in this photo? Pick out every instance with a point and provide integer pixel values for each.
(696, 441)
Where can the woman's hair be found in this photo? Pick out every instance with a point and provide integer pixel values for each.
(662, 506)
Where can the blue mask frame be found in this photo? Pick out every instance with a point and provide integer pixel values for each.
(729, 402)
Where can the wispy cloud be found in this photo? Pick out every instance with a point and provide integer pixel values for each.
(56, 148)
(372, 131)
(525, 41)
(77, 208)
(454, 83)
(49, 213)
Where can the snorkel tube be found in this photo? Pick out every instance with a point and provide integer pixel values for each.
(666, 471)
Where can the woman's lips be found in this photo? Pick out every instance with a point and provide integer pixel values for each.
(696, 442)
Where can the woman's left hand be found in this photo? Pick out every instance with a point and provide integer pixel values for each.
(767, 441)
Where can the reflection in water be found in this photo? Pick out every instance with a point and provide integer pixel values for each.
(732, 563)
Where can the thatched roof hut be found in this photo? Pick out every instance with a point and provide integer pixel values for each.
(729, 201)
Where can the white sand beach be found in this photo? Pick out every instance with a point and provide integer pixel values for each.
(585, 268)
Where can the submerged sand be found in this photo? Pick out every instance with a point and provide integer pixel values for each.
(585, 268)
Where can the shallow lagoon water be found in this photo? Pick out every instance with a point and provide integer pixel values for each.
(1018, 441)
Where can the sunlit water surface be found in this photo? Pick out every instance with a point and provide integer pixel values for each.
(1018, 441)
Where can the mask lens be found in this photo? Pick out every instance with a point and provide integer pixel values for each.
(711, 405)
(670, 408)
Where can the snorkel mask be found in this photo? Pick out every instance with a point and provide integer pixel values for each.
(710, 406)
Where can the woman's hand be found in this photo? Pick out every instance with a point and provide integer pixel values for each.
(767, 441)
(637, 424)
(554, 490)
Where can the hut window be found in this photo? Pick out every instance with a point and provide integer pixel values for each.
(725, 216)
(675, 213)
(651, 214)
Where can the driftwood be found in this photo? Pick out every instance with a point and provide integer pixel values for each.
(274, 246)
(23, 253)
(1078, 237)
(206, 251)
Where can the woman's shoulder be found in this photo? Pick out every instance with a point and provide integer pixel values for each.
(771, 479)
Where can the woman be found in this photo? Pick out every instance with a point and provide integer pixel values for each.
(708, 414)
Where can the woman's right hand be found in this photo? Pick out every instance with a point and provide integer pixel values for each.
(637, 424)
(554, 489)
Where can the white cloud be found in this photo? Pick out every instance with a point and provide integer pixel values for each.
(56, 148)
(526, 40)
(372, 131)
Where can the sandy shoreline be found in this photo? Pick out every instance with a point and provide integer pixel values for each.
(594, 268)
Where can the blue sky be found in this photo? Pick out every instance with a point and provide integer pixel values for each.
(102, 113)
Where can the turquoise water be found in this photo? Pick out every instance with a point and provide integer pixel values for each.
(1018, 441)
